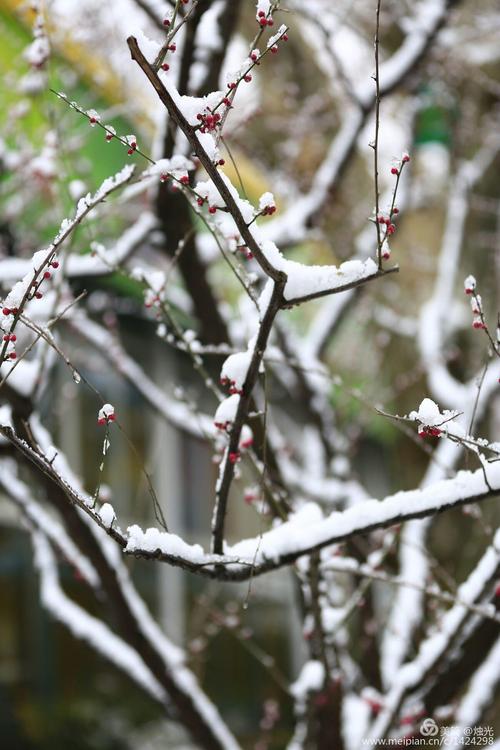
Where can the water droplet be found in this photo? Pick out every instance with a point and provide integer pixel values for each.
(77, 377)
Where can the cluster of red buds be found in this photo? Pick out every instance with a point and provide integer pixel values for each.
(10, 311)
(477, 311)
(387, 220)
(106, 415)
(264, 19)
(404, 160)
(390, 227)
(9, 340)
(475, 303)
(232, 386)
(281, 36)
(208, 121)
(151, 300)
(132, 144)
(428, 431)
(478, 321)
(46, 276)
(246, 442)
(168, 21)
(267, 206)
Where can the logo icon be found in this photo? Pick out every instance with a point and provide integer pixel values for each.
(429, 728)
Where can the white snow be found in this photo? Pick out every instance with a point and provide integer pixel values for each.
(106, 413)
(177, 166)
(107, 514)
(433, 647)
(235, 368)
(310, 679)
(428, 412)
(266, 200)
(153, 539)
(305, 280)
(481, 691)
(263, 6)
(87, 627)
(18, 292)
(51, 528)
(191, 106)
(149, 47)
(308, 528)
(275, 37)
(209, 145)
(226, 411)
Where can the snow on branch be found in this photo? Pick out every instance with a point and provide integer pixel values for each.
(301, 283)
(436, 319)
(103, 261)
(95, 264)
(44, 262)
(365, 570)
(40, 520)
(477, 586)
(216, 177)
(307, 530)
(480, 693)
(178, 684)
(292, 225)
(85, 626)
